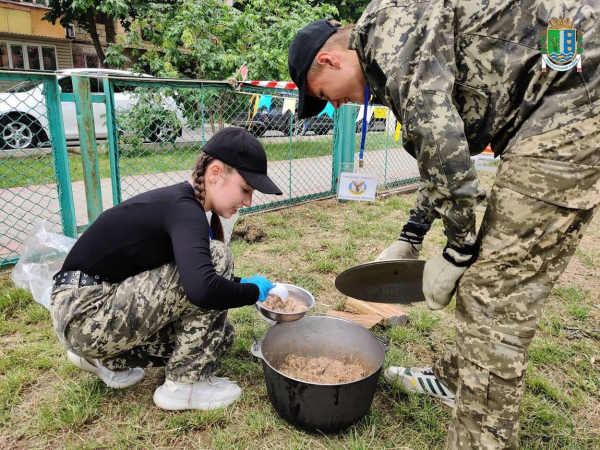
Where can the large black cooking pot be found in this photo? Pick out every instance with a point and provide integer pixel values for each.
(312, 406)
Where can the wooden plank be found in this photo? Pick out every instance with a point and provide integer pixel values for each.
(392, 315)
(362, 320)
(406, 189)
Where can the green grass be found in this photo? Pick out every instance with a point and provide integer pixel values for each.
(47, 403)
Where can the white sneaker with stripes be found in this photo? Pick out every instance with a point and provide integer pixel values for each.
(421, 380)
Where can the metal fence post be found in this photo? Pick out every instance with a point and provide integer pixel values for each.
(87, 142)
(343, 143)
(202, 112)
(61, 159)
(113, 141)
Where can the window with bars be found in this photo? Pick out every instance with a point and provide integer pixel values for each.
(20, 55)
(86, 60)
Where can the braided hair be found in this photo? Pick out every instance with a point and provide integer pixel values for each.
(198, 173)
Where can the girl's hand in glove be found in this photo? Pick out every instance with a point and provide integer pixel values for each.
(264, 285)
(441, 275)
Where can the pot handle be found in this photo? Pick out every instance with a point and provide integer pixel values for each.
(385, 342)
(256, 349)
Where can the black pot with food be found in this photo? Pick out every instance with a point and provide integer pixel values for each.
(324, 407)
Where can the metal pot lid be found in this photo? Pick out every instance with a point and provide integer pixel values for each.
(391, 281)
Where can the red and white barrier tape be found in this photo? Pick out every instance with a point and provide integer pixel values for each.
(272, 84)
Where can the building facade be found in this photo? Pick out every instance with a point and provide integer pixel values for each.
(28, 42)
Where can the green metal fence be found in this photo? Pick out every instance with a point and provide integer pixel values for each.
(127, 135)
(34, 176)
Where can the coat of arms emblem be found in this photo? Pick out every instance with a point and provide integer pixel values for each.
(562, 46)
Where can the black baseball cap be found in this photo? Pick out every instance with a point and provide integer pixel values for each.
(239, 148)
(301, 54)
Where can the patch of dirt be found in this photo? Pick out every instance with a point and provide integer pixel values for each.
(248, 232)
(586, 278)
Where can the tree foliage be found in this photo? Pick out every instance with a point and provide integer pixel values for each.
(205, 39)
(84, 13)
(349, 10)
(201, 39)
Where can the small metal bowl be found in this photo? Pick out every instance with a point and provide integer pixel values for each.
(296, 293)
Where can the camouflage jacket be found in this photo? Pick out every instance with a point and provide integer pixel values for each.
(461, 74)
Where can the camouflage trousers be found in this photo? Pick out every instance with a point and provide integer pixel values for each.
(533, 223)
(146, 321)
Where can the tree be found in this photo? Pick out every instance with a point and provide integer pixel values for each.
(85, 13)
(205, 39)
(273, 25)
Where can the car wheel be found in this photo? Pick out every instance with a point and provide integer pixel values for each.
(18, 131)
(164, 132)
(299, 127)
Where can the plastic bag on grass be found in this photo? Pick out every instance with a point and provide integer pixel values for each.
(43, 254)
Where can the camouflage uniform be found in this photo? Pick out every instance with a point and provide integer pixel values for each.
(459, 75)
(146, 321)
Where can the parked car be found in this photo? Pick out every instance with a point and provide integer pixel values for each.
(275, 119)
(375, 124)
(377, 120)
(24, 117)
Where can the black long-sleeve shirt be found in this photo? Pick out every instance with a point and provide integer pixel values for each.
(151, 229)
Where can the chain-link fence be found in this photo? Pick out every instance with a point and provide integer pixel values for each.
(148, 132)
(34, 183)
(162, 127)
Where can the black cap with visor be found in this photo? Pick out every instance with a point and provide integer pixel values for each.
(301, 54)
(240, 149)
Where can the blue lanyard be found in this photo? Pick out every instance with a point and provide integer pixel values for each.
(365, 124)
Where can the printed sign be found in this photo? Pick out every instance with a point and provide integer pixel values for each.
(357, 186)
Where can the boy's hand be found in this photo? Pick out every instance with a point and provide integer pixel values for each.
(441, 275)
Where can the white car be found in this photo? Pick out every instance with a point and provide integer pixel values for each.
(24, 117)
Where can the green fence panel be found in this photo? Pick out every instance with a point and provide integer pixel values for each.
(149, 132)
(35, 181)
(384, 155)
(162, 125)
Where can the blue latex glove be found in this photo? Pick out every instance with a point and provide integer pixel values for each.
(264, 285)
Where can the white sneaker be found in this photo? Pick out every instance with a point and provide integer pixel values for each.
(211, 393)
(115, 380)
(421, 380)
